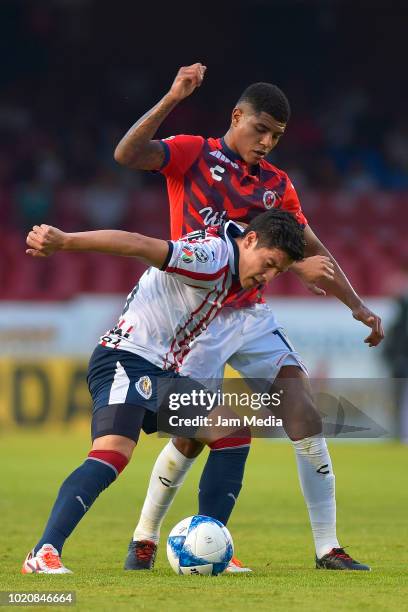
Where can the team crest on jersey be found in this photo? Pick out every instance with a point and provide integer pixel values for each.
(269, 199)
(144, 387)
(187, 254)
(201, 255)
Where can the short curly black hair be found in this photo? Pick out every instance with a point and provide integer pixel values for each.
(279, 229)
(267, 98)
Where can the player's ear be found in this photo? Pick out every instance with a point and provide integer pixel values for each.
(236, 116)
(250, 240)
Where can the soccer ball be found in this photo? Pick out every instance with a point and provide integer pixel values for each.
(199, 545)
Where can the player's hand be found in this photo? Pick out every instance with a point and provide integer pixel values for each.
(187, 80)
(366, 316)
(313, 270)
(44, 240)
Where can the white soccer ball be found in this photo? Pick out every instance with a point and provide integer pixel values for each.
(199, 545)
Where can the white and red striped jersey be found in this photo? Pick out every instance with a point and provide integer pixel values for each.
(169, 308)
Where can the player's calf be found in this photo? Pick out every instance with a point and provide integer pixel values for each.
(76, 495)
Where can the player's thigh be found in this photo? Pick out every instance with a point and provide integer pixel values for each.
(124, 390)
(265, 349)
(297, 408)
(211, 350)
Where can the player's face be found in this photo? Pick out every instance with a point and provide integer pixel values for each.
(254, 135)
(259, 265)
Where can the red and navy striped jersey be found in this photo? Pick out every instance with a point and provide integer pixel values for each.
(208, 184)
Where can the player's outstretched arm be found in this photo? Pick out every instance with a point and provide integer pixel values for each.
(44, 240)
(337, 284)
(137, 150)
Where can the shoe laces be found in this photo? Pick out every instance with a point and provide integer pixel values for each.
(340, 553)
(236, 562)
(52, 560)
(145, 550)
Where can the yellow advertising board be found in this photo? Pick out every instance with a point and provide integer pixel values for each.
(36, 392)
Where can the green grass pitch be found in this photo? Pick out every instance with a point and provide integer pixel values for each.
(269, 527)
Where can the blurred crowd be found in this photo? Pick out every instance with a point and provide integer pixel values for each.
(80, 74)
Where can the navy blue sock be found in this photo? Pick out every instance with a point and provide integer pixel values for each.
(221, 482)
(76, 495)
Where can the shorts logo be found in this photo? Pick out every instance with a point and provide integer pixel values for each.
(201, 255)
(144, 387)
(269, 199)
(187, 254)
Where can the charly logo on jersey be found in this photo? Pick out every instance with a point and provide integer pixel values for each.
(187, 254)
(144, 387)
(201, 255)
(269, 199)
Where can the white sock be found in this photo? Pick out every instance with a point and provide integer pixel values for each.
(168, 475)
(317, 482)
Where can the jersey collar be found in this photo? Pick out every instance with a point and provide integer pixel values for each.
(229, 152)
(236, 157)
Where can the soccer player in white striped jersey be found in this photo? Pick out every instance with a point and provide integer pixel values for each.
(187, 285)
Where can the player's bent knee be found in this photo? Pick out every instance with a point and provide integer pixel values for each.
(113, 458)
(114, 443)
(188, 447)
(303, 421)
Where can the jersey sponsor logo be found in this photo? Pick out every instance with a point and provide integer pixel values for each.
(144, 387)
(187, 254)
(217, 169)
(269, 199)
(210, 217)
(221, 157)
(201, 255)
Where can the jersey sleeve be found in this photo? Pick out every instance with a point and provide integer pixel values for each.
(201, 263)
(291, 203)
(180, 152)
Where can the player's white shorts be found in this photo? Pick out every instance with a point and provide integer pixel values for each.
(250, 340)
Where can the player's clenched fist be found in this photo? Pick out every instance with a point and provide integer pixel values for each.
(44, 240)
(187, 80)
(316, 269)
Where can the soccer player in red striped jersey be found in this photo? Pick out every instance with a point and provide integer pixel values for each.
(209, 181)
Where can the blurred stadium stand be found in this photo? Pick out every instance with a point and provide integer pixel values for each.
(364, 232)
(79, 74)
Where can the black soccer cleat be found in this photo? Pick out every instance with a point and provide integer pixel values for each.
(338, 559)
(141, 555)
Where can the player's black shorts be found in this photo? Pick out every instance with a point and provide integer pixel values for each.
(128, 392)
